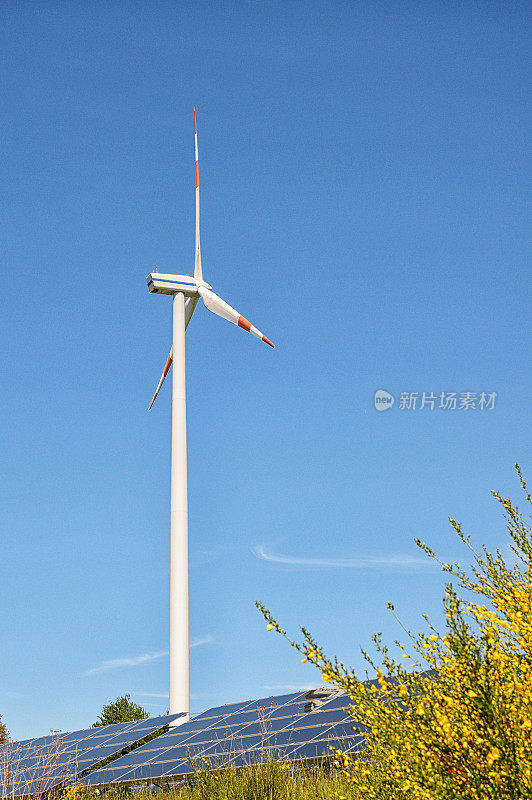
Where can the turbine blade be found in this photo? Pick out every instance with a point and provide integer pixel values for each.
(197, 258)
(190, 305)
(163, 376)
(223, 309)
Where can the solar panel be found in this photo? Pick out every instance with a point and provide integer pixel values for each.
(297, 726)
(36, 765)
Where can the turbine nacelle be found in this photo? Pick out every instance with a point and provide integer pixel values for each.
(161, 283)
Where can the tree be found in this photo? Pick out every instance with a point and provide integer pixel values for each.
(463, 731)
(122, 710)
(4, 733)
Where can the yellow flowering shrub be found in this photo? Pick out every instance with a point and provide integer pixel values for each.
(75, 793)
(459, 726)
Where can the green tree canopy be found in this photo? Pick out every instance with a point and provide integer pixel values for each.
(4, 733)
(122, 710)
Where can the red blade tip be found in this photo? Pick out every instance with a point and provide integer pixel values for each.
(265, 339)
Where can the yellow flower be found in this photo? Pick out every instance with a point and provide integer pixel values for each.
(461, 748)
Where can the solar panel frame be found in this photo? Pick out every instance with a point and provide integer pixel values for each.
(321, 722)
(239, 736)
(44, 762)
(223, 711)
(217, 718)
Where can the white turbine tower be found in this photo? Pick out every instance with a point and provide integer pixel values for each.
(191, 288)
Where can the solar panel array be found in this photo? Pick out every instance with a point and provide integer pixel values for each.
(34, 766)
(297, 726)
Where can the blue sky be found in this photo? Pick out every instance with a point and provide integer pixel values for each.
(363, 171)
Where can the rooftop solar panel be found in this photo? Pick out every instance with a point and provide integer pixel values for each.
(36, 765)
(300, 725)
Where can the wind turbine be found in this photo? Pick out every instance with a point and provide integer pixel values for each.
(185, 291)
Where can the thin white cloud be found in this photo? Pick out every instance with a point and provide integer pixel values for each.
(134, 661)
(118, 663)
(204, 640)
(162, 695)
(397, 561)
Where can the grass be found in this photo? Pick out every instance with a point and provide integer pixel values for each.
(268, 780)
(34, 772)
